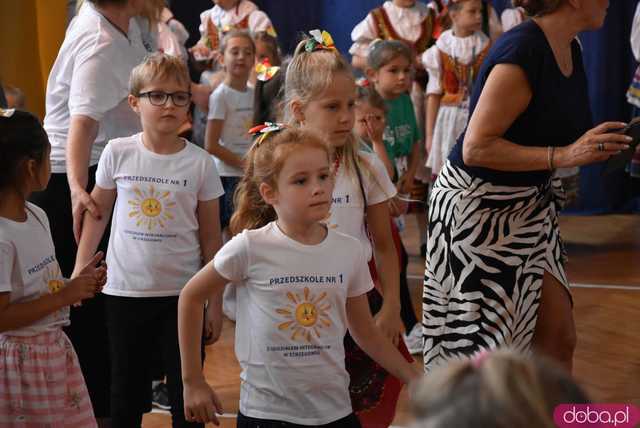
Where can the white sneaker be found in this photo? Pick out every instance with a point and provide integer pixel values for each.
(413, 340)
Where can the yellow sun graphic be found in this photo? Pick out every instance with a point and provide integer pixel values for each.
(53, 279)
(151, 208)
(305, 315)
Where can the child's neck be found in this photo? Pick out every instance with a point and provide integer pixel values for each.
(387, 96)
(162, 144)
(307, 234)
(235, 82)
(461, 33)
(13, 205)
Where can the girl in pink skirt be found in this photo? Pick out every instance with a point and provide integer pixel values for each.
(41, 384)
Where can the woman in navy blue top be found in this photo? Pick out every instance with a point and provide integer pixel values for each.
(494, 272)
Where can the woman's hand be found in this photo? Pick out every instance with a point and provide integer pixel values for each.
(81, 201)
(201, 402)
(596, 145)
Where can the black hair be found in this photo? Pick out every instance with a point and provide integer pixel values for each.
(268, 98)
(22, 137)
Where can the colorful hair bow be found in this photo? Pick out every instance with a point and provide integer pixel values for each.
(265, 70)
(7, 112)
(363, 82)
(272, 32)
(319, 40)
(261, 132)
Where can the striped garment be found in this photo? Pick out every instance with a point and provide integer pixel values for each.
(41, 384)
(487, 250)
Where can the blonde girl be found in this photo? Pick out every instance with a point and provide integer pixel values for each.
(320, 94)
(291, 317)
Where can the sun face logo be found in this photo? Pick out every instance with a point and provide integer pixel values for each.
(151, 208)
(305, 315)
(53, 279)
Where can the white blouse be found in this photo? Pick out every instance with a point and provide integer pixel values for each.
(258, 20)
(635, 34)
(511, 17)
(464, 49)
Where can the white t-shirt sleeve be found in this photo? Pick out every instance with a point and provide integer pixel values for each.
(212, 186)
(217, 104)
(380, 187)
(7, 259)
(431, 62)
(95, 86)
(104, 173)
(361, 281)
(232, 260)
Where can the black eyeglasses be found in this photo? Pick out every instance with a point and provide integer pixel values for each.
(159, 98)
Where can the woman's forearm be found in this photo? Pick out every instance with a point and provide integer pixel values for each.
(82, 134)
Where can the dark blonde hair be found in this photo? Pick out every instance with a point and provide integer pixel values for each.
(538, 7)
(158, 66)
(501, 389)
(369, 95)
(264, 163)
(271, 42)
(381, 52)
(243, 34)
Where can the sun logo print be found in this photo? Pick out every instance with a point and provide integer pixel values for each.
(305, 315)
(53, 279)
(151, 208)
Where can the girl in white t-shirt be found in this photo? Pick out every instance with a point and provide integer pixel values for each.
(320, 95)
(164, 228)
(40, 379)
(299, 283)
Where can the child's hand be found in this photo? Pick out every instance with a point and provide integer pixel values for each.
(212, 325)
(375, 128)
(389, 322)
(201, 402)
(80, 288)
(405, 184)
(397, 207)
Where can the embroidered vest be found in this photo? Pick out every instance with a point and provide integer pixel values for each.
(457, 79)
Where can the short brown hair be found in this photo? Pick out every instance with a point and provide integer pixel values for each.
(157, 66)
(537, 7)
(232, 35)
(382, 52)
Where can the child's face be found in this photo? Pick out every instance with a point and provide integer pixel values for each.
(404, 3)
(468, 18)
(304, 187)
(393, 78)
(365, 112)
(238, 58)
(156, 116)
(265, 51)
(332, 112)
(226, 4)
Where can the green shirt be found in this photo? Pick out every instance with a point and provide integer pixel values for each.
(402, 131)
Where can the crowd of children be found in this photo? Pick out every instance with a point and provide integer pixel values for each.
(299, 222)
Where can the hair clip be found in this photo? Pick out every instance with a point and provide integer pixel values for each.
(363, 82)
(272, 32)
(7, 112)
(319, 40)
(265, 70)
(480, 357)
(264, 130)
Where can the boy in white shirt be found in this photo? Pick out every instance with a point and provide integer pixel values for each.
(164, 228)
(231, 116)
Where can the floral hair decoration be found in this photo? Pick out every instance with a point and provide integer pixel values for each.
(261, 132)
(265, 70)
(319, 40)
(363, 82)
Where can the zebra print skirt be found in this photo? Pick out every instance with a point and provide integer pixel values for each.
(487, 250)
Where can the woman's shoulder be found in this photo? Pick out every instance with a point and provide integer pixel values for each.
(527, 35)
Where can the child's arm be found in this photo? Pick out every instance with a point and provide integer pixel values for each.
(17, 315)
(378, 222)
(200, 401)
(371, 340)
(212, 144)
(433, 106)
(210, 243)
(405, 183)
(93, 228)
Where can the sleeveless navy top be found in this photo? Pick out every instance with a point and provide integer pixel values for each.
(558, 113)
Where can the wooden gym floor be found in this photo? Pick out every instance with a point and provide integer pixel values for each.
(604, 269)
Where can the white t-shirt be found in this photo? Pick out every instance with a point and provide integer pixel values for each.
(236, 109)
(291, 321)
(29, 268)
(154, 247)
(347, 210)
(90, 77)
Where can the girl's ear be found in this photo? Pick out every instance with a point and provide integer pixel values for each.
(372, 75)
(298, 111)
(268, 193)
(134, 103)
